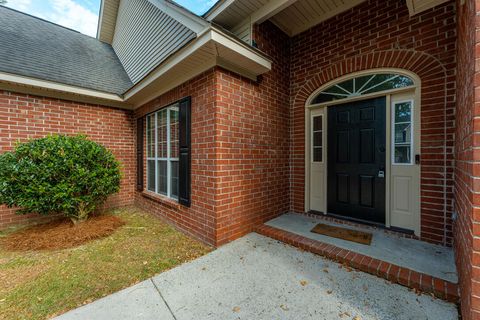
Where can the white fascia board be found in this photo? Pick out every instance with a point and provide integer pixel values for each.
(55, 86)
(100, 18)
(188, 19)
(269, 10)
(211, 15)
(240, 47)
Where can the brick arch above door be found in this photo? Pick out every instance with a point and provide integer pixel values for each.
(437, 114)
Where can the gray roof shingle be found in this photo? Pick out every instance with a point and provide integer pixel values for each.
(36, 48)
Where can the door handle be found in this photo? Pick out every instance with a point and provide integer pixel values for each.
(381, 174)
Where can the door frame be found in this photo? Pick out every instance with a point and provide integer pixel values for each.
(413, 91)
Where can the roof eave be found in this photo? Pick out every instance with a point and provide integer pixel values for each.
(219, 48)
(44, 88)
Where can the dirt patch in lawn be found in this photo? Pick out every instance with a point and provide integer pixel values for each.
(61, 234)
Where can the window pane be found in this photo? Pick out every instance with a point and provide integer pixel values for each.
(162, 177)
(402, 154)
(403, 112)
(363, 85)
(151, 136)
(174, 132)
(317, 123)
(322, 97)
(162, 133)
(317, 154)
(337, 89)
(347, 85)
(317, 139)
(151, 175)
(174, 179)
(363, 81)
(387, 82)
(403, 133)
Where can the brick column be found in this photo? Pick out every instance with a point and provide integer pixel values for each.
(467, 155)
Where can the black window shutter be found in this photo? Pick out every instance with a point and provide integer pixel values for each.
(140, 159)
(185, 152)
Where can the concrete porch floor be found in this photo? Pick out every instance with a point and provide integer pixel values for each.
(434, 260)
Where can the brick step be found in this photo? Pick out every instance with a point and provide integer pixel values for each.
(422, 282)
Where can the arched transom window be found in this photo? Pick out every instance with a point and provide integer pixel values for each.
(362, 85)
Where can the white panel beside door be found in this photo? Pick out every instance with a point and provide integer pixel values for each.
(405, 173)
(317, 160)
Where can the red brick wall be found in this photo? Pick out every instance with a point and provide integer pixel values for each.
(24, 117)
(239, 149)
(253, 141)
(467, 165)
(382, 34)
(198, 220)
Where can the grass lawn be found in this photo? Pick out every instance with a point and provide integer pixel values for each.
(42, 284)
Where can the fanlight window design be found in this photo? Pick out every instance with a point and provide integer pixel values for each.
(363, 85)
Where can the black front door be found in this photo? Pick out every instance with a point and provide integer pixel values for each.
(356, 160)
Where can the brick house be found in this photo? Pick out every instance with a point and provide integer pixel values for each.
(362, 110)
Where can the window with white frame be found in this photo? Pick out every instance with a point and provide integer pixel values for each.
(317, 138)
(163, 151)
(402, 132)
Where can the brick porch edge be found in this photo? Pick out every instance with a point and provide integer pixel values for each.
(425, 283)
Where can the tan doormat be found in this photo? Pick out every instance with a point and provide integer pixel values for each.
(343, 233)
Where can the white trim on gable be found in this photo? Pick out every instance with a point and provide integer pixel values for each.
(107, 20)
(211, 48)
(185, 17)
(100, 18)
(218, 9)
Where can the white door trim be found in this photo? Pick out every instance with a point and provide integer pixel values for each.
(413, 92)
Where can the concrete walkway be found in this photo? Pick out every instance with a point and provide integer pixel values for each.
(259, 278)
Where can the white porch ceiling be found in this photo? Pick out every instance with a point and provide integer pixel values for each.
(292, 16)
(304, 14)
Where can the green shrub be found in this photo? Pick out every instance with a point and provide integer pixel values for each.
(70, 175)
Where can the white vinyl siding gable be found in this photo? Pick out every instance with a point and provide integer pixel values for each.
(243, 31)
(145, 36)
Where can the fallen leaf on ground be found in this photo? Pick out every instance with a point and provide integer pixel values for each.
(236, 309)
(284, 308)
(303, 283)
